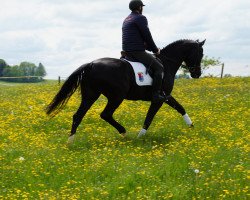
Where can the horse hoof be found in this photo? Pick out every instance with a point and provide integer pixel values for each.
(191, 126)
(71, 139)
(142, 133)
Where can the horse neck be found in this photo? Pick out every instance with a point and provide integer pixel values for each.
(172, 61)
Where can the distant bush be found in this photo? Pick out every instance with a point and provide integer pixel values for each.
(228, 75)
(186, 76)
(32, 79)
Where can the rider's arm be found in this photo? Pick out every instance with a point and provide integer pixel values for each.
(142, 23)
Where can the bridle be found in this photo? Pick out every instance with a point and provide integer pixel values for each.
(195, 67)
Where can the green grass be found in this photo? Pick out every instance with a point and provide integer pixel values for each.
(171, 161)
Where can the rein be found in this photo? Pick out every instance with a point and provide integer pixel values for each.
(168, 58)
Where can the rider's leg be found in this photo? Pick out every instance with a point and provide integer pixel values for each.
(150, 61)
(157, 82)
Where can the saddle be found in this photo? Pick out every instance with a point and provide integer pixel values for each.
(125, 55)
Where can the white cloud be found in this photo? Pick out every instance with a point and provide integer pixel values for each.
(63, 34)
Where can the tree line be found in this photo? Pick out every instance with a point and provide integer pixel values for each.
(27, 71)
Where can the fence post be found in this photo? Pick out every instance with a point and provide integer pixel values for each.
(222, 70)
(59, 80)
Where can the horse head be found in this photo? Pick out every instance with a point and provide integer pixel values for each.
(194, 57)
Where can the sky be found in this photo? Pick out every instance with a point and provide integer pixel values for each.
(64, 34)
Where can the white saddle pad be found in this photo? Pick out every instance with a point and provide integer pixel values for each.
(141, 77)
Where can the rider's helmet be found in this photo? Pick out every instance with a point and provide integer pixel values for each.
(135, 4)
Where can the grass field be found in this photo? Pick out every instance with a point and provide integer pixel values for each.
(172, 161)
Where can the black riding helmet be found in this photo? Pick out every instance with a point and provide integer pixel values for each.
(135, 4)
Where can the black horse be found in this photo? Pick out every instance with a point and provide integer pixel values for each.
(115, 79)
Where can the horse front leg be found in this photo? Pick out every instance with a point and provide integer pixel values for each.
(153, 109)
(179, 108)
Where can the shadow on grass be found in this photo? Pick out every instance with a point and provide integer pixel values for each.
(89, 142)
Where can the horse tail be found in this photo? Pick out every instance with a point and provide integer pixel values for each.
(67, 90)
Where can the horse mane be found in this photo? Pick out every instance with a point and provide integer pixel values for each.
(176, 43)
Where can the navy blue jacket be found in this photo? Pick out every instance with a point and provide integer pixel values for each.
(136, 35)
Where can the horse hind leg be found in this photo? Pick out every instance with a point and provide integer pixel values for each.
(88, 99)
(107, 115)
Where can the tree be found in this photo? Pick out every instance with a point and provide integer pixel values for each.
(27, 69)
(40, 71)
(11, 71)
(3, 65)
(209, 62)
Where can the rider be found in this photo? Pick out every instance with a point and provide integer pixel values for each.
(136, 38)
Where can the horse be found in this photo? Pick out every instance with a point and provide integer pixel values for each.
(115, 79)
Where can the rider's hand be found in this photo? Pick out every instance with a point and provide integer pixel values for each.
(158, 52)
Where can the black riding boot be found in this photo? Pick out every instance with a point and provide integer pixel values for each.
(156, 87)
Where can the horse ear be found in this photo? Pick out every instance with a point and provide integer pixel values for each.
(197, 40)
(202, 43)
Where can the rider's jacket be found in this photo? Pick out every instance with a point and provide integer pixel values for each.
(136, 35)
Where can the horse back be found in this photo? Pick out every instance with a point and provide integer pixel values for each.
(110, 76)
(115, 78)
